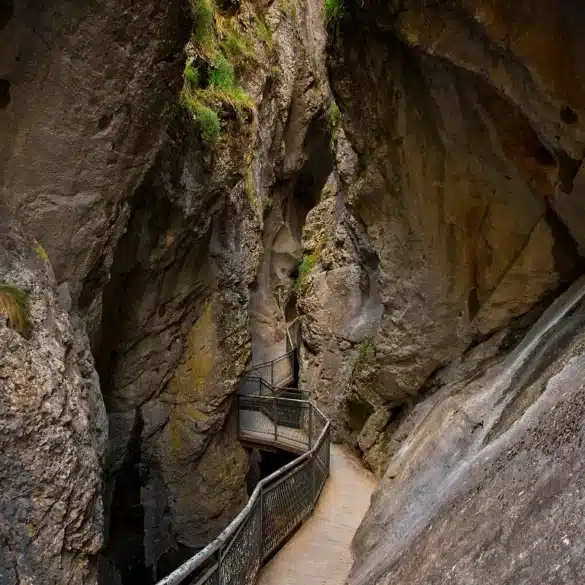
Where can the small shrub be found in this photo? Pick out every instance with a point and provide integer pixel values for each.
(15, 307)
(333, 10)
(203, 17)
(305, 266)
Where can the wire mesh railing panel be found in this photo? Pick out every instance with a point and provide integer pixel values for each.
(318, 423)
(263, 371)
(321, 461)
(250, 386)
(253, 418)
(291, 413)
(241, 558)
(285, 504)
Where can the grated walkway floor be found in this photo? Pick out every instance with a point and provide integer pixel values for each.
(318, 553)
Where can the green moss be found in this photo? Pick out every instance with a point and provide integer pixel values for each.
(237, 46)
(289, 8)
(305, 266)
(333, 10)
(250, 190)
(15, 307)
(203, 20)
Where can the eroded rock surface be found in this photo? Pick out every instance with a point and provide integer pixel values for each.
(460, 214)
(53, 431)
(157, 236)
(487, 485)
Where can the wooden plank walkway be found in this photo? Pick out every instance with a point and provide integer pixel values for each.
(318, 553)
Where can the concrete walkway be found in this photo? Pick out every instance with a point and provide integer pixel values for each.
(318, 553)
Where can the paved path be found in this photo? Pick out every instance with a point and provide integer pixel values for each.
(318, 553)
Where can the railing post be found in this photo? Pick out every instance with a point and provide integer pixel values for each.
(313, 490)
(272, 373)
(261, 543)
(275, 421)
(237, 415)
(310, 426)
(219, 579)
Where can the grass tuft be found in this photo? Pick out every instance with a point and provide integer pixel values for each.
(334, 115)
(238, 47)
(203, 16)
(14, 306)
(366, 352)
(208, 119)
(263, 30)
(305, 266)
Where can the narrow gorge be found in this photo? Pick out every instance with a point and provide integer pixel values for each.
(190, 188)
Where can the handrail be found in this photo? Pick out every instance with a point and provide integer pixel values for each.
(268, 368)
(273, 390)
(268, 519)
(276, 359)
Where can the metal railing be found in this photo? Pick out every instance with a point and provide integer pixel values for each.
(279, 503)
(276, 372)
(257, 386)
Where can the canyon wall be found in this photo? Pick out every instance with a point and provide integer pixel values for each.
(457, 224)
(53, 426)
(156, 233)
(188, 200)
(459, 215)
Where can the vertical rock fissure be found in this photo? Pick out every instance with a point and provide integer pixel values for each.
(125, 541)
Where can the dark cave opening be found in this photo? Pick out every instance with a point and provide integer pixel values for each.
(6, 12)
(4, 93)
(263, 463)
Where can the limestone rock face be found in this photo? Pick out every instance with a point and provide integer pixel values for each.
(53, 431)
(156, 238)
(461, 214)
(486, 485)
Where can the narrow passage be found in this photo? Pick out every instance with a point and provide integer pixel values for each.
(318, 553)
